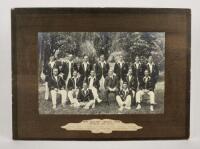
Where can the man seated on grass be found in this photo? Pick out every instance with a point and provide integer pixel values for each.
(73, 86)
(146, 87)
(85, 97)
(124, 97)
(57, 86)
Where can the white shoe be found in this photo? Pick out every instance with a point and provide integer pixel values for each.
(76, 106)
(128, 108)
(99, 100)
(151, 108)
(54, 107)
(93, 106)
(121, 108)
(86, 107)
(138, 107)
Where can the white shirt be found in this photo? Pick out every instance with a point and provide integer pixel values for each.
(56, 78)
(120, 63)
(91, 82)
(146, 79)
(137, 65)
(70, 65)
(129, 78)
(85, 91)
(52, 64)
(126, 91)
(102, 63)
(150, 67)
(85, 66)
(75, 82)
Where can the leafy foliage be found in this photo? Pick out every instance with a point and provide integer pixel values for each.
(130, 44)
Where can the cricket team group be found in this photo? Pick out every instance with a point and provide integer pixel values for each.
(81, 82)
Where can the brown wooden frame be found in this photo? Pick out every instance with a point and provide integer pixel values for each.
(26, 22)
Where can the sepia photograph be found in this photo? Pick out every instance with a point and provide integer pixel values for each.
(101, 72)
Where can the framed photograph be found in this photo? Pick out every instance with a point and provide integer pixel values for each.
(100, 73)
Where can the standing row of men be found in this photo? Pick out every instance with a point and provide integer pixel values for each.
(81, 82)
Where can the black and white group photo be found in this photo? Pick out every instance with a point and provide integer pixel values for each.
(101, 72)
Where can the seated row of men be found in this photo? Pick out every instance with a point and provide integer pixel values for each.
(81, 82)
(87, 94)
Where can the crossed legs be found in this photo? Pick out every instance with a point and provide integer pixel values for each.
(124, 104)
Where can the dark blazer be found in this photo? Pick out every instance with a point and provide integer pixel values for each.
(121, 72)
(124, 94)
(86, 72)
(79, 68)
(53, 84)
(133, 83)
(109, 82)
(84, 97)
(95, 83)
(47, 71)
(101, 71)
(138, 72)
(71, 83)
(149, 85)
(62, 68)
(155, 72)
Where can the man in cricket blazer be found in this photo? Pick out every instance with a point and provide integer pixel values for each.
(69, 68)
(121, 69)
(138, 69)
(85, 97)
(74, 82)
(73, 86)
(87, 67)
(57, 86)
(79, 68)
(47, 73)
(101, 70)
(132, 83)
(92, 80)
(123, 97)
(93, 84)
(62, 69)
(146, 87)
(153, 70)
(111, 86)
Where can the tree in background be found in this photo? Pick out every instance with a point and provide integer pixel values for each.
(111, 44)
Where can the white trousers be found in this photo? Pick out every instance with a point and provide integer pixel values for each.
(127, 102)
(87, 104)
(140, 94)
(72, 95)
(121, 83)
(54, 96)
(94, 92)
(46, 95)
(101, 82)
